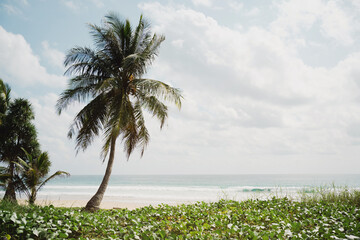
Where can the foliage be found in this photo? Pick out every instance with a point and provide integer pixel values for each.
(4, 99)
(278, 218)
(17, 132)
(109, 80)
(34, 174)
(332, 194)
(110, 76)
(4, 177)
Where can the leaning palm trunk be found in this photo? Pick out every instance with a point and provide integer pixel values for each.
(94, 202)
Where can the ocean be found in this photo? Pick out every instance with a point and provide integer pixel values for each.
(191, 188)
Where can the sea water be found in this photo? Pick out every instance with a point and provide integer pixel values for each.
(192, 188)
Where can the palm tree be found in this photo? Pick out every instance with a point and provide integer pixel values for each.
(4, 99)
(33, 174)
(108, 79)
(16, 132)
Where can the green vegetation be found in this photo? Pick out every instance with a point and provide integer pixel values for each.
(26, 166)
(34, 174)
(277, 218)
(17, 132)
(109, 79)
(332, 194)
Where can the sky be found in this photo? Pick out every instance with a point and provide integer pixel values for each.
(270, 87)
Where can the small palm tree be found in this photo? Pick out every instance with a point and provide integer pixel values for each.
(109, 80)
(33, 174)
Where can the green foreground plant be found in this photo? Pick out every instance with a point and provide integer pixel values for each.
(34, 172)
(277, 218)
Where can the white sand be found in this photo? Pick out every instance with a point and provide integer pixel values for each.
(82, 203)
(110, 202)
(107, 202)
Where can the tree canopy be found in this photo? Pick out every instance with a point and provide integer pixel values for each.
(17, 132)
(109, 80)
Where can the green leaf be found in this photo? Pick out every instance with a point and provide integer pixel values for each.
(13, 217)
(36, 232)
(63, 235)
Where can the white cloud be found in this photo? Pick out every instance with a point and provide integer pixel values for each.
(297, 16)
(337, 24)
(253, 12)
(19, 65)
(54, 56)
(252, 105)
(207, 3)
(249, 94)
(178, 43)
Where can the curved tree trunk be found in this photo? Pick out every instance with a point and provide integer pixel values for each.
(10, 194)
(94, 203)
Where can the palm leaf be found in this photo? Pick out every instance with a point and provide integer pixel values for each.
(56, 174)
(109, 79)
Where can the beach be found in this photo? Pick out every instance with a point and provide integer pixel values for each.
(105, 204)
(196, 206)
(134, 191)
(108, 202)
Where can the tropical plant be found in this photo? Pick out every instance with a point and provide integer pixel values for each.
(34, 174)
(16, 132)
(4, 99)
(108, 79)
(4, 177)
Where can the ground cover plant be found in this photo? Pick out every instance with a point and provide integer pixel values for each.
(276, 218)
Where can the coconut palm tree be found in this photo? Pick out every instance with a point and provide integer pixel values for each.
(108, 79)
(33, 172)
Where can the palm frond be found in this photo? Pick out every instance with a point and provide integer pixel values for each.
(89, 121)
(80, 94)
(143, 134)
(154, 106)
(110, 78)
(56, 174)
(159, 89)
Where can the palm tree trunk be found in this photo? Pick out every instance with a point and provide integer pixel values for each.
(32, 196)
(10, 194)
(94, 203)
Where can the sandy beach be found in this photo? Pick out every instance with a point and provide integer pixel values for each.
(107, 203)
(110, 202)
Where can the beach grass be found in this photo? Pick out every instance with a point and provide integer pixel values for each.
(326, 215)
(331, 194)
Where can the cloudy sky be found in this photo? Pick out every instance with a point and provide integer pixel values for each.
(269, 86)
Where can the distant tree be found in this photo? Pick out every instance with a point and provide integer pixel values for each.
(16, 132)
(4, 99)
(33, 174)
(109, 80)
